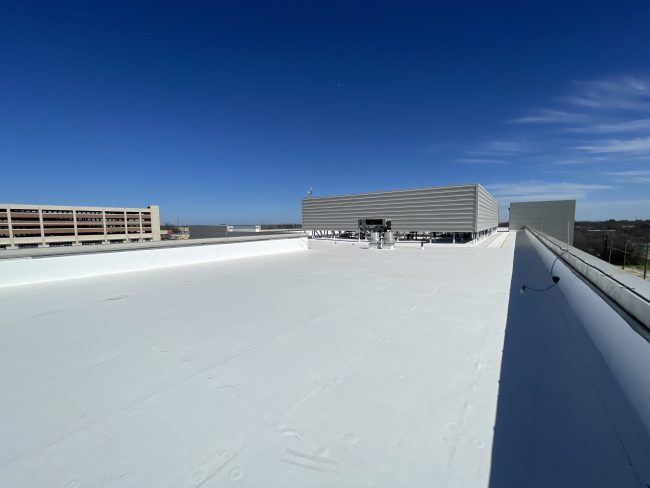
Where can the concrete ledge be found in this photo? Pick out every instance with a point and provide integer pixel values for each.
(129, 246)
(28, 270)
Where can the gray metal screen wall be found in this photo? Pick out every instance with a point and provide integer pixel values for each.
(436, 209)
(555, 218)
(487, 211)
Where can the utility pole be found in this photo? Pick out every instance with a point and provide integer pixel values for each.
(626, 227)
(645, 263)
(611, 241)
(625, 249)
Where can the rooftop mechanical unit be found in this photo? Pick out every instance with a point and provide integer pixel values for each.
(379, 232)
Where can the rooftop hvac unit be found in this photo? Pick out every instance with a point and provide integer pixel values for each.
(378, 231)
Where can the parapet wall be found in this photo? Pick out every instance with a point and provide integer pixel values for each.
(30, 270)
(629, 292)
(617, 353)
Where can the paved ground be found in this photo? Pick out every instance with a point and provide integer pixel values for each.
(334, 367)
(637, 271)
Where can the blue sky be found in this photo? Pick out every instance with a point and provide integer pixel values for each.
(231, 111)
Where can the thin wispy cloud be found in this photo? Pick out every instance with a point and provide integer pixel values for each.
(536, 187)
(480, 161)
(594, 140)
(631, 176)
(506, 146)
(626, 92)
(642, 172)
(571, 161)
(592, 108)
(636, 145)
(498, 150)
(536, 190)
(548, 116)
(581, 160)
(612, 127)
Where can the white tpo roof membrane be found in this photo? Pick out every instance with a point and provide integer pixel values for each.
(336, 366)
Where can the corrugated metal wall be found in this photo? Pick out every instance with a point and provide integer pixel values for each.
(488, 210)
(436, 209)
(555, 218)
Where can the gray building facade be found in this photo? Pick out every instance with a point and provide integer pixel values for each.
(555, 218)
(459, 208)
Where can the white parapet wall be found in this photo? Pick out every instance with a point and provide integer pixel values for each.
(619, 358)
(30, 270)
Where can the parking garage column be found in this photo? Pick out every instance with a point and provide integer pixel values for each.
(12, 245)
(76, 231)
(40, 219)
(126, 228)
(104, 224)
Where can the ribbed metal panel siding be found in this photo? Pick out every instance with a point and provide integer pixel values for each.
(437, 209)
(488, 210)
(555, 218)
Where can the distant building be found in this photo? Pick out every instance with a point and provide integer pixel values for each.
(23, 225)
(555, 218)
(175, 232)
(181, 233)
(244, 228)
